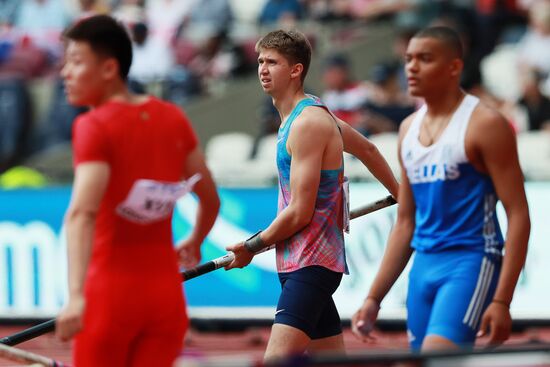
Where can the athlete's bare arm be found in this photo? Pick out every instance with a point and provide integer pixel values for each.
(396, 256)
(207, 212)
(309, 138)
(491, 146)
(90, 183)
(359, 146)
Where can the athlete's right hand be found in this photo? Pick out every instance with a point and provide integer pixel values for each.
(69, 321)
(243, 257)
(362, 322)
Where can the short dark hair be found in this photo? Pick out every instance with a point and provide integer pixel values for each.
(293, 45)
(106, 37)
(448, 36)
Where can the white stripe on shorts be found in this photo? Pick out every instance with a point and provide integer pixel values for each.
(478, 298)
(477, 313)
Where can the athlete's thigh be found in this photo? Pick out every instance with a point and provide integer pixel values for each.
(304, 296)
(328, 333)
(462, 299)
(420, 295)
(159, 350)
(99, 350)
(109, 326)
(160, 340)
(329, 323)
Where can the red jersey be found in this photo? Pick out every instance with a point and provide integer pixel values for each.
(133, 287)
(145, 141)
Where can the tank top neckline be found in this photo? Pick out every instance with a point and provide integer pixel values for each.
(445, 132)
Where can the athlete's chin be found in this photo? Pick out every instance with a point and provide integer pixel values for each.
(416, 92)
(267, 90)
(75, 100)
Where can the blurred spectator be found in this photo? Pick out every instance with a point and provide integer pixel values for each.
(208, 17)
(130, 12)
(399, 49)
(328, 10)
(154, 65)
(8, 9)
(535, 103)
(343, 95)
(270, 120)
(370, 9)
(281, 12)
(491, 84)
(164, 17)
(15, 117)
(217, 60)
(493, 18)
(534, 47)
(43, 21)
(387, 105)
(92, 7)
(5, 50)
(57, 125)
(152, 59)
(22, 58)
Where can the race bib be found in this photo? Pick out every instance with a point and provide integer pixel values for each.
(151, 201)
(345, 206)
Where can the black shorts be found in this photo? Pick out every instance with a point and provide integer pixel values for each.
(306, 301)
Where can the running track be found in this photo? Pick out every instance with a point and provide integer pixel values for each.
(250, 342)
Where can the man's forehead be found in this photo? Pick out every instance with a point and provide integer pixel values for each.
(270, 53)
(74, 46)
(425, 44)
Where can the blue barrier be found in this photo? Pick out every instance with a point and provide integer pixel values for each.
(33, 266)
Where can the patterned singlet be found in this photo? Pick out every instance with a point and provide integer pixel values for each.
(321, 242)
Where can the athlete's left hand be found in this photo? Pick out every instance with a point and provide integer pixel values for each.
(497, 322)
(243, 257)
(189, 252)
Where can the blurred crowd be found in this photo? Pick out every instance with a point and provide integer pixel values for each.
(189, 48)
(507, 63)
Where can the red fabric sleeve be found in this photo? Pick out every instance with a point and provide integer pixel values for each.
(191, 139)
(89, 141)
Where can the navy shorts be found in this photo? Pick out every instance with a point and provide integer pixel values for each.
(306, 301)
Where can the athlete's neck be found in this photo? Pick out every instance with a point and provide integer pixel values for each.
(285, 104)
(444, 103)
(116, 91)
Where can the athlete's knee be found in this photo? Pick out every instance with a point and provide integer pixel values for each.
(286, 340)
(334, 344)
(438, 342)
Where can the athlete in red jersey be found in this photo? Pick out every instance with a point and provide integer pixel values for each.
(126, 305)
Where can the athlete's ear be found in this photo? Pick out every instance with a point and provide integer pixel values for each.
(456, 67)
(296, 70)
(109, 69)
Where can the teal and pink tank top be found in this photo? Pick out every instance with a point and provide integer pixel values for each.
(321, 242)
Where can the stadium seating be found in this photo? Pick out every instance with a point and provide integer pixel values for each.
(228, 159)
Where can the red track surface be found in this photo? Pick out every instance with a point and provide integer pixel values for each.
(251, 342)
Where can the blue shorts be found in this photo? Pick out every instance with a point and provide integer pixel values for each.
(448, 293)
(306, 301)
